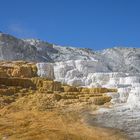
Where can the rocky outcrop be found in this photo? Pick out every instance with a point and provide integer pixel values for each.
(18, 69)
(48, 91)
(19, 73)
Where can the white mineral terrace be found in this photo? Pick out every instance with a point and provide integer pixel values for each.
(125, 112)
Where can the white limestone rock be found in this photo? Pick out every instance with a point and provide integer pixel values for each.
(134, 98)
(77, 71)
(45, 70)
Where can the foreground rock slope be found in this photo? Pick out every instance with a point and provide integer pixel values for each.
(32, 107)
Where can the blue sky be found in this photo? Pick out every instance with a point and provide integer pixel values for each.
(95, 24)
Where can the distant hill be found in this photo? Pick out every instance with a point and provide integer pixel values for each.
(117, 59)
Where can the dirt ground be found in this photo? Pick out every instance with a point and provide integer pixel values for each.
(51, 125)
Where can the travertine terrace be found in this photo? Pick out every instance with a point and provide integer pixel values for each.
(33, 107)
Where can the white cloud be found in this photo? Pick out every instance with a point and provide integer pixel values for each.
(16, 28)
(21, 31)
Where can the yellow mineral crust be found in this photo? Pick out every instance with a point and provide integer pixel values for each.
(18, 69)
